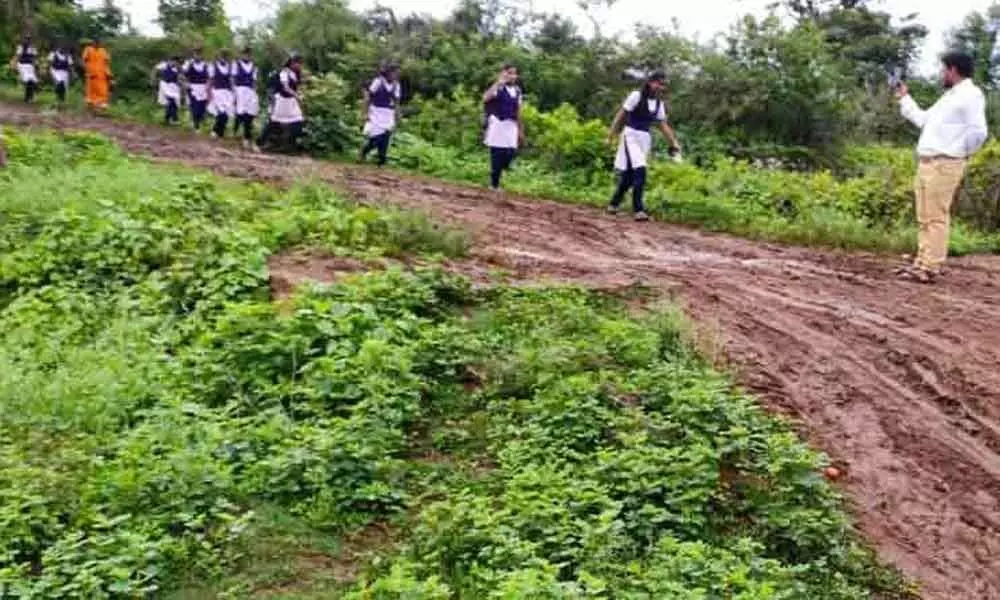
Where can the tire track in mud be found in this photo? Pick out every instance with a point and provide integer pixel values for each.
(897, 382)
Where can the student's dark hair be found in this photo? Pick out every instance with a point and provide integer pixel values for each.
(646, 92)
(387, 67)
(509, 65)
(961, 62)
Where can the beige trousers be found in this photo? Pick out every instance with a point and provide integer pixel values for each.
(937, 181)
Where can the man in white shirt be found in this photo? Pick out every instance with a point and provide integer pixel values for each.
(951, 131)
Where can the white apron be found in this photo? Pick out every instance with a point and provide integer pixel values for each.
(59, 76)
(223, 103)
(633, 149)
(26, 73)
(286, 110)
(247, 102)
(502, 134)
(169, 91)
(380, 120)
(198, 91)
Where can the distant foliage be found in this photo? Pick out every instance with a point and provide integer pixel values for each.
(332, 127)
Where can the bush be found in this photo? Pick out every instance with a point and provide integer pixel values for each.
(979, 199)
(331, 126)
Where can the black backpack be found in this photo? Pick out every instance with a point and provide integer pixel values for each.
(274, 82)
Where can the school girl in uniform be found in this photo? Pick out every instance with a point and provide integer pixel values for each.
(25, 57)
(642, 109)
(195, 72)
(168, 93)
(221, 100)
(245, 76)
(286, 107)
(382, 98)
(504, 130)
(60, 66)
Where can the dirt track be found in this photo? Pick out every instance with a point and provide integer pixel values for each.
(899, 383)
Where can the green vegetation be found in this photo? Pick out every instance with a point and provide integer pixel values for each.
(800, 142)
(867, 203)
(395, 435)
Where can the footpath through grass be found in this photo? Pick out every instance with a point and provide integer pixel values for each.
(872, 209)
(170, 431)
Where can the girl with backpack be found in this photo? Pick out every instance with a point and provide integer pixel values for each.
(504, 129)
(381, 101)
(642, 109)
(286, 109)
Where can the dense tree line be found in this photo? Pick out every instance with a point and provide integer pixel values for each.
(803, 86)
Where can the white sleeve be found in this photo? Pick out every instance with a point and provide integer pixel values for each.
(52, 56)
(661, 113)
(632, 101)
(911, 111)
(375, 85)
(398, 91)
(977, 133)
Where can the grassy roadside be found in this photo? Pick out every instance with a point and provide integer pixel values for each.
(171, 429)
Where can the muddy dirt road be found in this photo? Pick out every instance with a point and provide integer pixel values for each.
(899, 383)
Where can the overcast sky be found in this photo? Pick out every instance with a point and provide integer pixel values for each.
(703, 18)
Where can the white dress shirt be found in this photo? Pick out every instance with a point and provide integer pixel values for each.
(955, 126)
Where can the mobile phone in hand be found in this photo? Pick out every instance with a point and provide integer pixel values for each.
(895, 77)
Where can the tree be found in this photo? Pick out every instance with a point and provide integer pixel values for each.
(557, 35)
(488, 18)
(177, 15)
(868, 40)
(978, 37)
(811, 9)
(321, 30)
(595, 11)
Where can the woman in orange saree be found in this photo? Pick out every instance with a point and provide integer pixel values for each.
(97, 66)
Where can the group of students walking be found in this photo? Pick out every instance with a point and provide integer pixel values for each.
(642, 110)
(94, 60)
(227, 90)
